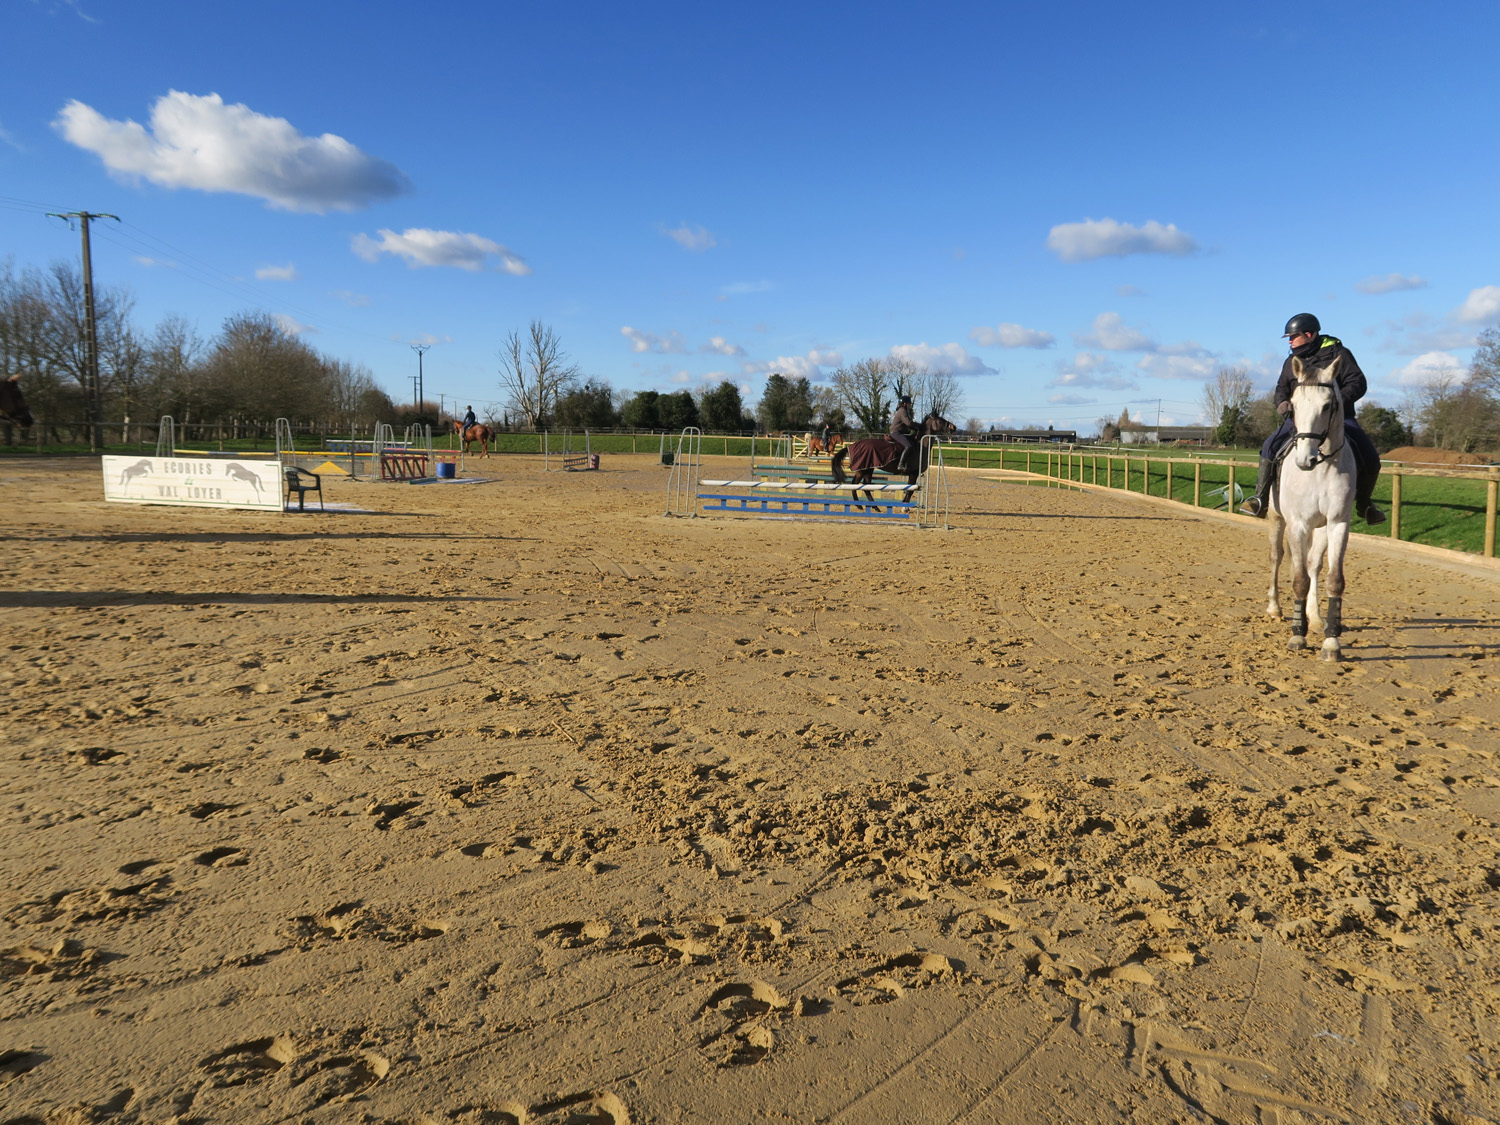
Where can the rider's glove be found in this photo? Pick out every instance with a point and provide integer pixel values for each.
(1284, 408)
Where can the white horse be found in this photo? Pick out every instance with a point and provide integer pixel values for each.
(1313, 498)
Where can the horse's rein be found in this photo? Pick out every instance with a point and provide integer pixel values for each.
(1336, 402)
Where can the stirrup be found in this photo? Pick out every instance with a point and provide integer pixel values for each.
(1253, 506)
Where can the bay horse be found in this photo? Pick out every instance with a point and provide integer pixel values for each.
(477, 432)
(868, 454)
(1313, 500)
(13, 404)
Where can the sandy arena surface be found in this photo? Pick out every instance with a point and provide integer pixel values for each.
(520, 802)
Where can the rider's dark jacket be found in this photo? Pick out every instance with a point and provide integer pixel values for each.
(1318, 354)
(901, 421)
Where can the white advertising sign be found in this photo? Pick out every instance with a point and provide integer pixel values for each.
(200, 482)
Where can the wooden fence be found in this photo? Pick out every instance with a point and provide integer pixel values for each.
(1087, 467)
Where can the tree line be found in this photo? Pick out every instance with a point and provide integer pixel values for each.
(252, 369)
(542, 389)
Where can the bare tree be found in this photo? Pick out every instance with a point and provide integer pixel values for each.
(1451, 412)
(1229, 389)
(942, 392)
(862, 389)
(535, 373)
(1485, 370)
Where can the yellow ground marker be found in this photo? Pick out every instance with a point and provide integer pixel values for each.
(330, 467)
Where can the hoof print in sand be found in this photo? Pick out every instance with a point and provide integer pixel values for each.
(14, 1063)
(744, 1000)
(221, 857)
(349, 920)
(744, 1004)
(342, 1078)
(574, 935)
(66, 960)
(97, 904)
(896, 977)
(248, 1062)
(601, 1108)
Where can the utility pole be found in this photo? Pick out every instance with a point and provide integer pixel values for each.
(421, 350)
(415, 379)
(90, 331)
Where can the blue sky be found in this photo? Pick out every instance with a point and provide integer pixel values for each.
(1074, 206)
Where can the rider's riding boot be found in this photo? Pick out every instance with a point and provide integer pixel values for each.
(1256, 504)
(1363, 506)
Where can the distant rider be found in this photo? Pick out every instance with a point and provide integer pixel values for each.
(1316, 351)
(902, 425)
(469, 420)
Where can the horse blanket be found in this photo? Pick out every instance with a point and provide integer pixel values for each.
(872, 453)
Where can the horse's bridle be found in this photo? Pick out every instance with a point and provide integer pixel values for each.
(1336, 401)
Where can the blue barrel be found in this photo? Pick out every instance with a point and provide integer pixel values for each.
(447, 470)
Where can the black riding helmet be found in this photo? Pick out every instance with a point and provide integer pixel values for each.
(1303, 322)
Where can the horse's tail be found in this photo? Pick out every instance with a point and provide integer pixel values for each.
(838, 465)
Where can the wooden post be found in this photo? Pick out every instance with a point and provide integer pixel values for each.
(1197, 481)
(1169, 478)
(1395, 505)
(1096, 469)
(1492, 490)
(1028, 460)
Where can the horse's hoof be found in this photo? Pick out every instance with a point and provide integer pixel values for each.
(1297, 644)
(1330, 652)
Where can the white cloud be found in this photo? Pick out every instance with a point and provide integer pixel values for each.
(1011, 336)
(1163, 366)
(1106, 238)
(287, 272)
(423, 247)
(807, 366)
(670, 344)
(1101, 378)
(429, 339)
(1071, 400)
(10, 140)
(695, 239)
(1130, 291)
(1390, 283)
(719, 345)
(953, 358)
(1427, 368)
(291, 325)
(155, 263)
(352, 299)
(1481, 306)
(201, 143)
(1112, 334)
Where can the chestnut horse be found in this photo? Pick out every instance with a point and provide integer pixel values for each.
(12, 403)
(478, 432)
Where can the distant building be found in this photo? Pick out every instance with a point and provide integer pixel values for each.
(1030, 435)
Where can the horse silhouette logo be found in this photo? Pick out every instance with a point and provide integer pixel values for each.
(239, 472)
(130, 472)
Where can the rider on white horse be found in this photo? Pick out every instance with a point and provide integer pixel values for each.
(1305, 336)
